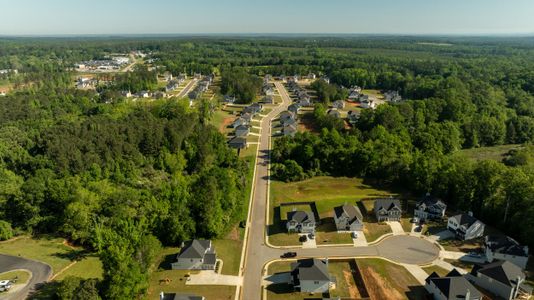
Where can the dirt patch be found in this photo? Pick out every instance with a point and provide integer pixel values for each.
(225, 123)
(353, 291)
(378, 288)
(233, 234)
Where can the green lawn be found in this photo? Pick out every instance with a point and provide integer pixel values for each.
(52, 251)
(279, 267)
(386, 280)
(496, 153)
(406, 224)
(345, 285)
(326, 192)
(461, 264)
(439, 270)
(230, 252)
(20, 276)
(162, 279)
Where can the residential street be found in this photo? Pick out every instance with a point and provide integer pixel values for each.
(403, 249)
(187, 88)
(40, 274)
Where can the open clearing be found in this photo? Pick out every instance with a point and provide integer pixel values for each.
(57, 254)
(496, 153)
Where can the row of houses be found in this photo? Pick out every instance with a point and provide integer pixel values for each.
(114, 63)
(202, 87)
(302, 98)
(242, 124)
(501, 278)
(174, 82)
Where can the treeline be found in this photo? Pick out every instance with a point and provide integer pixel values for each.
(327, 93)
(242, 85)
(119, 179)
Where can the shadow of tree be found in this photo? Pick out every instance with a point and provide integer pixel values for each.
(417, 292)
(165, 264)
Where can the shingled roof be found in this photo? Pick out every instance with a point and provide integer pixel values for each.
(500, 270)
(454, 285)
(350, 211)
(505, 245)
(300, 216)
(310, 269)
(195, 249)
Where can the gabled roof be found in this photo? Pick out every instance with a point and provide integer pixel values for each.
(238, 142)
(300, 216)
(195, 249)
(465, 220)
(454, 285)
(500, 270)
(242, 127)
(310, 269)
(429, 201)
(290, 129)
(505, 245)
(387, 204)
(350, 211)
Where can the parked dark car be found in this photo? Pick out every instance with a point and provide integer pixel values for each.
(303, 238)
(288, 255)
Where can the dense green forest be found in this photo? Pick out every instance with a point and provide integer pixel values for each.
(123, 178)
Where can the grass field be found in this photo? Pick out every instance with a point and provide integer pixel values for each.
(389, 281)
(439, 270)
(326, 192)
(54, 252)
(20, 276)
(345, 285)
(496, 153)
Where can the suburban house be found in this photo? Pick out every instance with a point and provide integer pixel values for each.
(267, 100)
(326, 79)
(247, 117)
(196, 255)
(242, 131)
(503, 247)
(392, 96)
(465, 226)
(300, 221)
(353, 116)
(286, 115)
(369, 103)
(354, 93)
(289, 130)
(339, 104)
(334, 113)
(143, 94)
(294, 108)
(348, 218)
(387, 209)
(229, 99)
(430, 208)
(126, 94)
(238, 142)
(268, 90)
(311, 76)
(289, 122)
(305, 101)
(501, 278)
(172, 85)
(174, 296)
(453, 286)
(238, 122)
(310, 275)
(253, 109)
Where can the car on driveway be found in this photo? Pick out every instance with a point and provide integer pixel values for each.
(288, 255)
(311, 236)
(354, 235)
(303, 239)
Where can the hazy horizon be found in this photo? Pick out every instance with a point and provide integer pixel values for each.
(276, 17)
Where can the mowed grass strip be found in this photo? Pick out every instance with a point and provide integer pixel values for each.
(19, 276)
(433, 268)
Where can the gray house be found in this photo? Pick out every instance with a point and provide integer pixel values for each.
(310, 276)
(353, 116)
(289, 130)
(238, 122)
(238, 142)
(451, 287)
(348, 218)
(387, 209)
(242, 131)
(334, 113)
(286, 116)
(174, 296)
(294, 108)
(196, 255)
(501, 278)
(503, 247)
(465, 226)
(430, 208)
(339, 104)
(300, 221)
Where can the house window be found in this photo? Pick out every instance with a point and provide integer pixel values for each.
(316, 282)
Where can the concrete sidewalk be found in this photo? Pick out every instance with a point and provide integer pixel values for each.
(360, 241)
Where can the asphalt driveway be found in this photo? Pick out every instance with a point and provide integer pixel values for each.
(40, 273)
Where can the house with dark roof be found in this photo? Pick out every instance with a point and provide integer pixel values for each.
(196, 255)
(353, 116)
(286, 116)
(238, 122)
(348, 218)
(430, 208)
(453, 286)
(387, 209)
(334, 113)
(501, 278)
(174, 296)
(289, 130)
(503, 247)
(465, 226)
(294, 108)
(267, 100)
(247, 117)
(311, 275)
(229, 99)
(300, 221)
(339, 104)
(242, 130)
(354, 93)
(238, 142)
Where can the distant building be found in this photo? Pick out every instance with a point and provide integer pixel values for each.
(196, 255)
(339, 104)
(353, 116)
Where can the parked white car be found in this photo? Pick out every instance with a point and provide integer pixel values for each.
(5, 285)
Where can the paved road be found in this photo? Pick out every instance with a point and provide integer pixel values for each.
(187, 88)
(40, 274)
(403, 249)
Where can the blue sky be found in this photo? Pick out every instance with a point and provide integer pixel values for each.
(50, 17)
